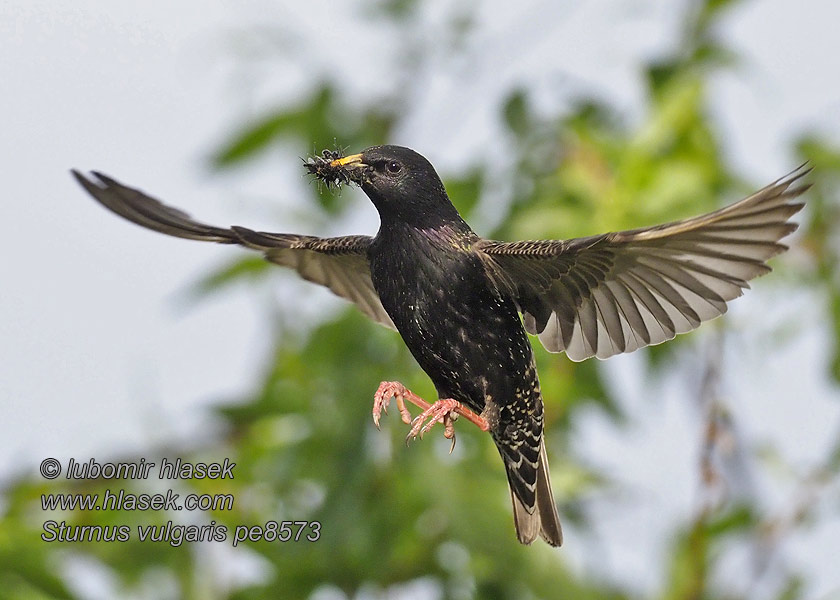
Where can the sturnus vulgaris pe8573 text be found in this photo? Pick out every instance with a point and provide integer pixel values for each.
(456, 298)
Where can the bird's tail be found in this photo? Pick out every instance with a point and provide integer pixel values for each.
(540, 516)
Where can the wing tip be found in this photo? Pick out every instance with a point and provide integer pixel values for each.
(87, 184)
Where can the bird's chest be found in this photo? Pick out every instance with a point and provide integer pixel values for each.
(455, 322)
(432, 288)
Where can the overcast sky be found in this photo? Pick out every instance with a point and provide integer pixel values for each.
(99, 353)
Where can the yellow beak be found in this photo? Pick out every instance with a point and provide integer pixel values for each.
(354, 160)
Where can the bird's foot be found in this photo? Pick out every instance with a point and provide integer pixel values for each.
(396, 390)
(442, 411)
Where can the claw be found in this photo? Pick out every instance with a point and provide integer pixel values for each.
(439, 412)
(444, 411)
(449, 428)
(382, 397)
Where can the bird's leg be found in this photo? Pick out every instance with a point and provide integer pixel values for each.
(443, 411)
(396, 390)
(446, 411)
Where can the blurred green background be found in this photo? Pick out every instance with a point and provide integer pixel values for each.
(416, 522)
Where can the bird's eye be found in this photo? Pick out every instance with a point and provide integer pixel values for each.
(393, 167)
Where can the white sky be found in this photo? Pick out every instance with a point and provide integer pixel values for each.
(98, 354)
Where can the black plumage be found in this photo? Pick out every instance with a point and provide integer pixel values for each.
(455, 298)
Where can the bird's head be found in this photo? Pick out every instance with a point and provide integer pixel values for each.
(401, 183)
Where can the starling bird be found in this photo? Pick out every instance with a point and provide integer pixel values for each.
(455, 297)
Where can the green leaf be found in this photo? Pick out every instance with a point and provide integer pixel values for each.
(248, 268)
(465, 191)
(516, 113)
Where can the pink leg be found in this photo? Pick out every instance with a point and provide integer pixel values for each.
(443, 411)
(396, 390)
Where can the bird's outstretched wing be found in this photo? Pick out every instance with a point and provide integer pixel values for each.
(617, 292)
(339, 263)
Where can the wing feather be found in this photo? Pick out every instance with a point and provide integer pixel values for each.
(338, 263)
(613, 293)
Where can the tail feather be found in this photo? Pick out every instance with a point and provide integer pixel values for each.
(541, 518)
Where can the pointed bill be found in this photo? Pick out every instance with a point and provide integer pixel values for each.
(352, 161)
